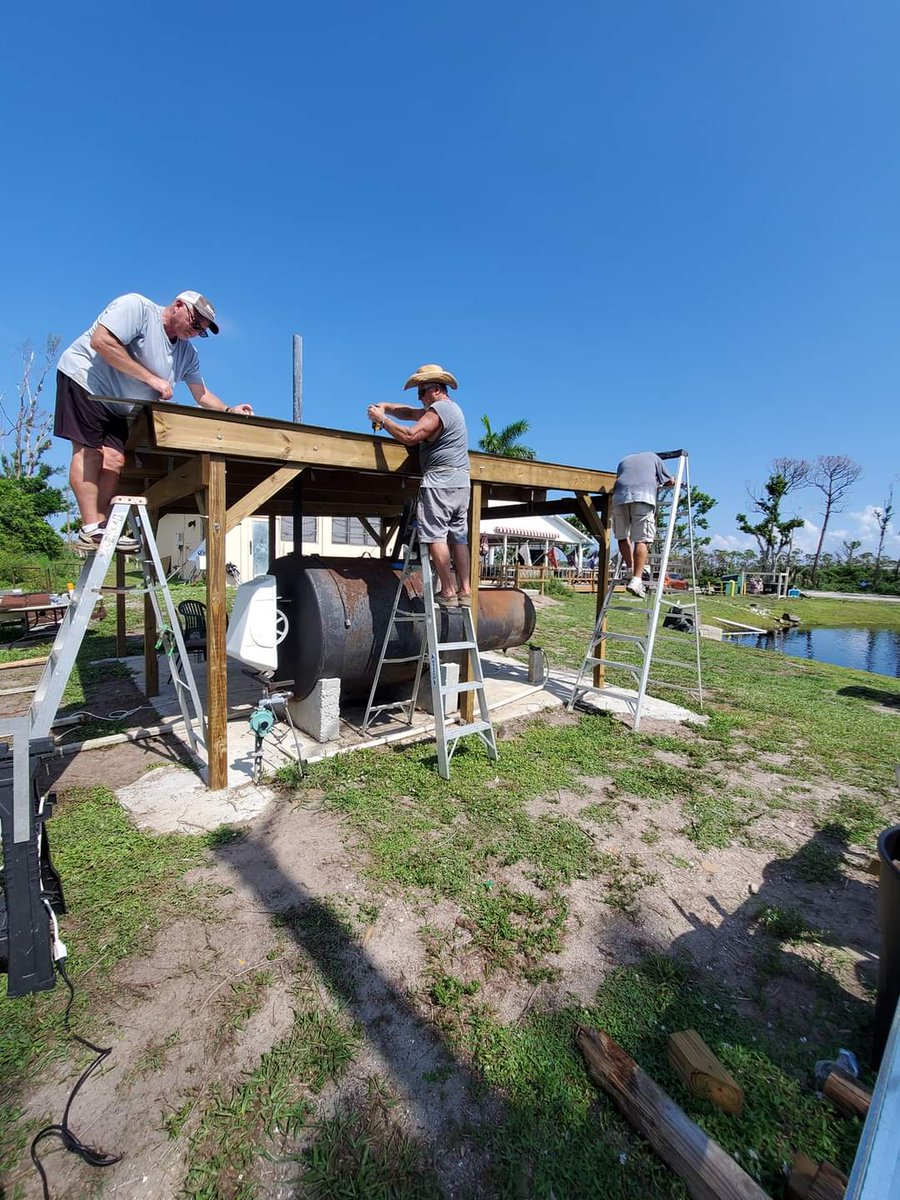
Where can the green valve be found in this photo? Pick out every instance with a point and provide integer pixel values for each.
(261, 721)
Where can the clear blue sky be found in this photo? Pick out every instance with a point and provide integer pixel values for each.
(635, 225)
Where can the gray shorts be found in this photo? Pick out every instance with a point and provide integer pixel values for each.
(443, 514)
(634, 522)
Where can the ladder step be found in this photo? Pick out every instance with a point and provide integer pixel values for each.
(448, 689)
(611, 662)
(443, 647)
(632, 608)
(377, 708)
(409, 658)
(458, 731)
(674, 662)
(608, 635)
(409, 618)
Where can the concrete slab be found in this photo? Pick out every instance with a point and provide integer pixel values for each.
(173, 798)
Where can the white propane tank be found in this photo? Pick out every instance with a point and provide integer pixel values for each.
(256, 626)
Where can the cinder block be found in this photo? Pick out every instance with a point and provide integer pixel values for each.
(319, 714)
(449, 678)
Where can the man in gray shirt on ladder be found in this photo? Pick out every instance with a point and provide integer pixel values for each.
(638, 478)
(442, 514)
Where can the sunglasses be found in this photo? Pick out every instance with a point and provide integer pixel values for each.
(196, 324)
(428, 387)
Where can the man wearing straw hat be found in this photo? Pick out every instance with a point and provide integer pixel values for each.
(440, 433)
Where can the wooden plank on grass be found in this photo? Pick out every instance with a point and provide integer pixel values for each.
(700, 1070)
(848, 1096)
(707, 1171)
(24, 662)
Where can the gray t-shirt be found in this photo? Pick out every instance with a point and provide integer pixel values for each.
(137, 323)
(638, 477)
(445, 461)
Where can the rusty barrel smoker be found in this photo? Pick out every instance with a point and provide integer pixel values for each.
(338, 611)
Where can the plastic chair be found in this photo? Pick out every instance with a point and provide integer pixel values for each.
(193, 620)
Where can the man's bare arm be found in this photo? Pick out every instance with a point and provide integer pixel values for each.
(112, 351)
(208, 399)
(403, 411)
(424, 429)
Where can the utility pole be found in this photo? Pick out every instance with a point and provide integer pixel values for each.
(298, 378)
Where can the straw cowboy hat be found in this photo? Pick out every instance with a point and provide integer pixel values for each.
(430, 373)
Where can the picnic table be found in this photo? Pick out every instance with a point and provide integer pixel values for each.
(35, 618)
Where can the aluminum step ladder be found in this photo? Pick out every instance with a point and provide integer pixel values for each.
(655, 604)
(31, 894)
(447, 732)
(126, 511)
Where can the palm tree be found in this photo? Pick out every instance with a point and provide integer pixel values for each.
(505, 442)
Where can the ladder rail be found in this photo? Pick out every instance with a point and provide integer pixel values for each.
(447, 735)
(48, 695)
(646, 644)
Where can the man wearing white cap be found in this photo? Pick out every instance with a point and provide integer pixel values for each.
(135, 350)
(442, 514)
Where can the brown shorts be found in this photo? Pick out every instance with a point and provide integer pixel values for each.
(80, 418)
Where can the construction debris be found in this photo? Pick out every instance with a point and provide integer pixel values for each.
(696, 1065)
(707, 1171)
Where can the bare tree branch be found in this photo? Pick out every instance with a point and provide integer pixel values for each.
(833, 475)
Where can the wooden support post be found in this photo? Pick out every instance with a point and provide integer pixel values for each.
(602, 582)
(850, 1098)
(121, 630)
(699, 1069)
(706, 1170)
(467, 700)
(217, 663)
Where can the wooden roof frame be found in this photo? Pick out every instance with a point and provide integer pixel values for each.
(228, 467)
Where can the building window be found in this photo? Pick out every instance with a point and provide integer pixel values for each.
(310, 529)
(350, 531)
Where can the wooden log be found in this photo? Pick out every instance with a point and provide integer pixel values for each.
(803, 1172)
(707, 1171)
(829, 1183)
(702, 1073)
(24, 662)
(850, 1098)
(814, 1181)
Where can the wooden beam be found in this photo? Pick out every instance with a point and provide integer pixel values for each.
(185, 480)
(467, 701)
(254, 499)
(706, 1170)
(182, 429)
(216, 661)
(587, 511)
(566, 506)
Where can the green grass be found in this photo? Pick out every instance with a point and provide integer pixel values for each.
(262, 1114)
(362, 1153)
(560, 1137)
(481, 845)
(784, 924)
(121, 886)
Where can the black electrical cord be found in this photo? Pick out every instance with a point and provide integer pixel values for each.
(94, 1158)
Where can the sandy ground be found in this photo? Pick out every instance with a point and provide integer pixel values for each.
(297, 859)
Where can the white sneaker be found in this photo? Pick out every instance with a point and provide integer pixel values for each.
(636, 587)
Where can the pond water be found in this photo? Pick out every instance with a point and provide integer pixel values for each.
(876, 650)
